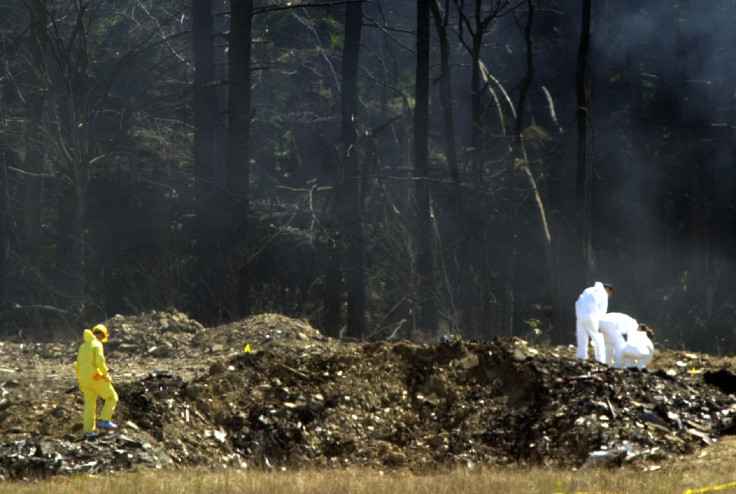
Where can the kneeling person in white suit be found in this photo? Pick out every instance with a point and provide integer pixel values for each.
(639, 348)
(614, 326)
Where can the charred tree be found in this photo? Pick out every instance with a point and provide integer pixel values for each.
(475, 25)
(352, 208)
(74, 122)
(30, 242)
(441, 17)
(441, 21)
(519, 165)
(238, 152)
(345, 236)
(206, 229)
(425, 266)
(583, 175)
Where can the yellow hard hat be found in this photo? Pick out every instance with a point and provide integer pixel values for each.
(100, 328)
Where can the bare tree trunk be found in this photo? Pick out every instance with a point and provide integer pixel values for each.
(205, 107)
(238, 157)
(76, 111)
(441, 21)
(427, 320)
(519, 163)
(221, 26)
(332, 316)
(5, 236)
(583, 182)
(30, 242)
(476, 26)
(445, 93)
(472, 26)
(345, 235)
(476, 108)
(70, 276)
(206, 227)
(352, 210)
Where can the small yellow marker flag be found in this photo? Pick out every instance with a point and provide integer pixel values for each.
(247, 348)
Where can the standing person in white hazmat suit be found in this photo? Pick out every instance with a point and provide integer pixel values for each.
(590, 305)
(614, 326)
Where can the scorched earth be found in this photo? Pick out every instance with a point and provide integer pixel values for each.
(191, 396)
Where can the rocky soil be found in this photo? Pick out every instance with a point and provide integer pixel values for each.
(192, 396)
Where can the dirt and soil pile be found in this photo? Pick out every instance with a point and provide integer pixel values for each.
(193, 396)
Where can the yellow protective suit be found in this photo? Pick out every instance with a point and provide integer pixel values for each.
(94, 381)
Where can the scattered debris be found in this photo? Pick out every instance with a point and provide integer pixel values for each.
(272, 392)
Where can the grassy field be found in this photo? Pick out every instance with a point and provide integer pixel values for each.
(721, 480)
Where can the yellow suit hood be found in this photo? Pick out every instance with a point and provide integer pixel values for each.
(90, 363)
(89, 336)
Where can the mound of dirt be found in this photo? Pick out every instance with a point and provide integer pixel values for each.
(193, 396)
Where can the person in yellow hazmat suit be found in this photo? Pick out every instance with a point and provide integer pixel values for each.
(94, 381)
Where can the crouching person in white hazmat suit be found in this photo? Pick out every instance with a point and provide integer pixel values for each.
(614, 326)
(639, 348)
(590, 305)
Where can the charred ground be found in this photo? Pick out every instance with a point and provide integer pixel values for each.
(191, 396)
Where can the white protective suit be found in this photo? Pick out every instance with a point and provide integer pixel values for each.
(638, 350)
(613, 327)
(590, 305)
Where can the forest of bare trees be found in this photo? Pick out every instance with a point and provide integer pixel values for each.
(385, 169)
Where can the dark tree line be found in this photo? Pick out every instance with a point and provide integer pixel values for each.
(385, 169)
